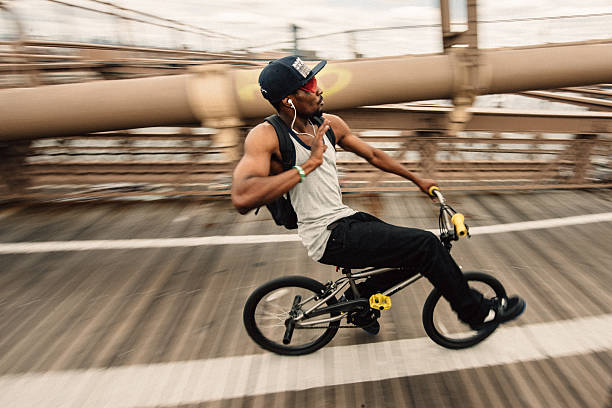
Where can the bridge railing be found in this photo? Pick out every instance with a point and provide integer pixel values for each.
(497, 151)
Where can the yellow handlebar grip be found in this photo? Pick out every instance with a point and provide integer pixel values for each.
(460, 227)
(432, 189)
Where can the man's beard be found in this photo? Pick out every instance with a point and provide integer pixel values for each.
(317, 114)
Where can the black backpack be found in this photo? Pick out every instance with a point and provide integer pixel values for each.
(281, 209)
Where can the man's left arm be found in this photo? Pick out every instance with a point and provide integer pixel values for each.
(376, 157)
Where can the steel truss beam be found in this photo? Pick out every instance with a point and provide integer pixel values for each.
(593, 103)
(430, 119)
(218, 96)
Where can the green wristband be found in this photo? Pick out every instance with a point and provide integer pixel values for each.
(301, 172)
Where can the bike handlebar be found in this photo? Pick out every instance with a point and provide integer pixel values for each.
(434, 191)
(457, 219)
(460, 227)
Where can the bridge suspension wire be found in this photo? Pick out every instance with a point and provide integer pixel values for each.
(177, 24)
(204, 30)
(419, 26)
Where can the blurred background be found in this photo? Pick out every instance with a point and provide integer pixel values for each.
(46, 42)
(335, 30)
(125, 268)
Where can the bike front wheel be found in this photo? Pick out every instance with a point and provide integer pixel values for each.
(441, 322)
(268, 310)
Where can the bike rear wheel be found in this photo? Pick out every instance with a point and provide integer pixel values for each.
(267, 311)
(442, 324)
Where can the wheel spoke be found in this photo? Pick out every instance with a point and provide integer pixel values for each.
(267, 316)
(277, 307)
(279, 324)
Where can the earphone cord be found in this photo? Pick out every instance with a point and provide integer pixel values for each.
(301, 133)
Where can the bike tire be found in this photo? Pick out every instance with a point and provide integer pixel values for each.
(468, 337)
(255, 328)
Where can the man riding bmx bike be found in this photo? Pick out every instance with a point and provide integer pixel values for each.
(332, 232)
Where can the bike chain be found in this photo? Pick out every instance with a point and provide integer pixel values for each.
(326, 327)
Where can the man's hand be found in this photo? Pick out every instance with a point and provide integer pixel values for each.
(425, 184)
(318, 147)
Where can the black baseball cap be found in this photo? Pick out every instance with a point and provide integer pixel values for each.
(284, 76)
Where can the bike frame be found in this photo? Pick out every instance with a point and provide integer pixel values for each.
(446, 236)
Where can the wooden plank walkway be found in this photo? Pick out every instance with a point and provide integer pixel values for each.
(80, 314)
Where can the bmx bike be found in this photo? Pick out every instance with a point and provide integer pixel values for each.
(297, 315)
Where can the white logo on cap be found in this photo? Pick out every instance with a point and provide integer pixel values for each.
(301, 67)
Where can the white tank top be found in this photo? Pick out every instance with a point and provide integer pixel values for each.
(317, 200)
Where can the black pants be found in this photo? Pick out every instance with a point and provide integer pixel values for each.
(362, 240)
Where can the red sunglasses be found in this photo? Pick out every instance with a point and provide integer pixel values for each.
(310, 86)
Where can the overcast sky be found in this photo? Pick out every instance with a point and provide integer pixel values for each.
(260, 22)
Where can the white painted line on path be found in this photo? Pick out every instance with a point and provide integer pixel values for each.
(542, 224)
(56, 246)
(217, 379)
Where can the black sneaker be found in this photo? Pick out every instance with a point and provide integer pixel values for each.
(366, 320)
(502, 312)
(373, 328)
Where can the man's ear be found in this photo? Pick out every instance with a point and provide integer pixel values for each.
(287, 102)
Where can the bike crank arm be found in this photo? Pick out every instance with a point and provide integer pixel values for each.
(290, 322)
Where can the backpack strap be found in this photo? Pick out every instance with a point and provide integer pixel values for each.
(285, 145)
(330, 133)
(281, 209)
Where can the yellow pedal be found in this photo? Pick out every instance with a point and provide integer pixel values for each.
(379, 301)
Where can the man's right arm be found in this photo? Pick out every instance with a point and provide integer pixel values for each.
(252, 185)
